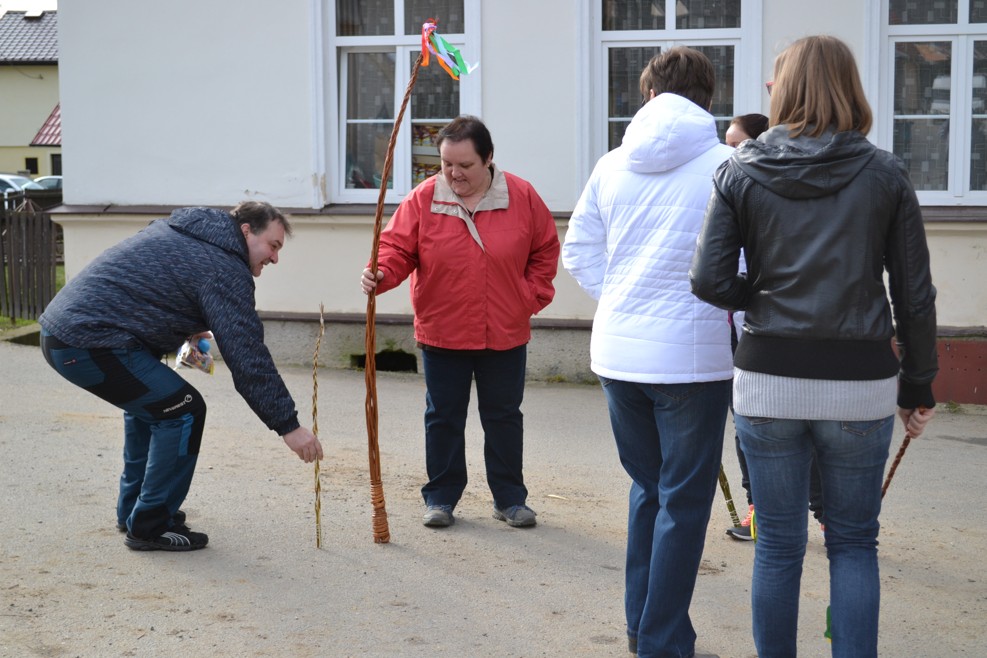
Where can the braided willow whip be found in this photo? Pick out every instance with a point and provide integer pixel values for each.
(381, 533)
(315, 425)
(894, 464)
(725, 487)
(897, 459)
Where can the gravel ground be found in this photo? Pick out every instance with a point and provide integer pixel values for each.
(262, 588)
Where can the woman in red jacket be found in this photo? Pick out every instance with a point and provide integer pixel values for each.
(481, 249)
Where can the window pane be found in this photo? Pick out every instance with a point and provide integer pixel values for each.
(369, 116)
(721, 128)
(924, 146)
(723, 61)
(921, 97)
(702, 14)
(448, 15)
(366, 148)
(615, 133)
(978, 155)
(625, 99)
(424, 154)
(370, 86)
(359, 18)
(922, 12)
(434, 103)
(625, 68)
(978, 11)
(436, 94)
(922, 78)
(634, 15)
(978, 140)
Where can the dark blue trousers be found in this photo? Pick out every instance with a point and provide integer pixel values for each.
(163, 420)
(499, 391)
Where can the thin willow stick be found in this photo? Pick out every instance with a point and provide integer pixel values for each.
(382, 534)
(315, 425)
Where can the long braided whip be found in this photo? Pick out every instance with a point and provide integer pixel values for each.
(382, 534)
(315, 425)
(894, 464)
(897, 458)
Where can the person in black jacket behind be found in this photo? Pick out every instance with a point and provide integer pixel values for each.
(107, 330)
(820, 214)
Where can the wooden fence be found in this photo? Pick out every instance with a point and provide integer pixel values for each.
(28, 255)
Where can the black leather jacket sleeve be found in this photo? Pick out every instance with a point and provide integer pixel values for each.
(913, 299)
(715, 265)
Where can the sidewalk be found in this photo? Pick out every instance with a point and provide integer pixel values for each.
(262, 588)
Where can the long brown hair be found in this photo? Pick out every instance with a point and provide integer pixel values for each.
(817, 86)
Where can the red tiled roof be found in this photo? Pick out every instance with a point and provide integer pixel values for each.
(51, 132)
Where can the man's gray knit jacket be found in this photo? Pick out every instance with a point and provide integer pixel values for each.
(177, 277)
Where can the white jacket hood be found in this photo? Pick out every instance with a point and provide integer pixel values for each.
(666, 133)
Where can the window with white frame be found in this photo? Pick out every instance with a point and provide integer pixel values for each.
(631, 32)
(936, 92)
(376, 44)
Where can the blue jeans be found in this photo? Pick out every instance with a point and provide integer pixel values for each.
(815, 483)
(499, 391)
(670, 441)
(163, 421)
(851, 456)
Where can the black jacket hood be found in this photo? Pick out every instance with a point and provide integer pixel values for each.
(806, 167)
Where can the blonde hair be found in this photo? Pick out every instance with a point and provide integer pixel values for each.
(817, 86)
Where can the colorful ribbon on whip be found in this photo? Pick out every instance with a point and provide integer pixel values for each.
(448, 56)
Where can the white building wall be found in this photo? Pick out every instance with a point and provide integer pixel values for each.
(186, 102)
(193, 103)
(531, 82)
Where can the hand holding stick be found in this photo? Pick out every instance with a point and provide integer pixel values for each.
(914, 420)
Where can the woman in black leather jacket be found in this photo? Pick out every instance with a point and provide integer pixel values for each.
(820, 213)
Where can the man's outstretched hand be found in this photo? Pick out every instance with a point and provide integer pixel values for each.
(305, 444)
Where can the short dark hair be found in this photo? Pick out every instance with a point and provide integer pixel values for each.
(752, 124)
(468, 127)
(259, 214)
(683, 71)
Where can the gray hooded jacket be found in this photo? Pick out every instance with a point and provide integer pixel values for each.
(177, 277)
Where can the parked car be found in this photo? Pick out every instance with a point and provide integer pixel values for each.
(49, 182)
(17, 183)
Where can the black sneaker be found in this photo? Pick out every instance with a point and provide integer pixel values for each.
(179, 520)
(743, 531)
(172, 540)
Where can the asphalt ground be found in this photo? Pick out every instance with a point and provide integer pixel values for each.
(69, 587)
